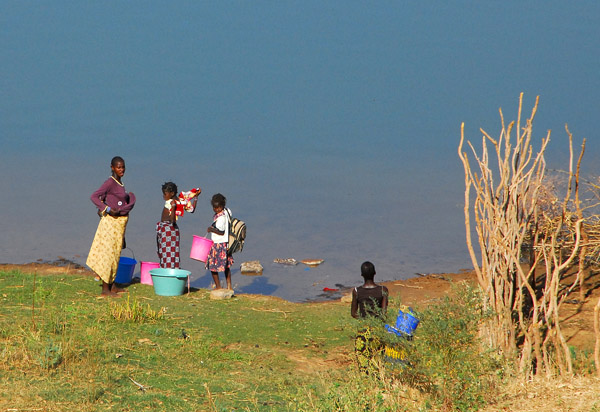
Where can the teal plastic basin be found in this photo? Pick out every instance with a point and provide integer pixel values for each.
(169, 282)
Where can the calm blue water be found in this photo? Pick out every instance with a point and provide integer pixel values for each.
(331, 128)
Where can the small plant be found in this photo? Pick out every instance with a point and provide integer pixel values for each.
(51, 356)
(42, 292)
(583, 361)
(134, 311)
(55, 322)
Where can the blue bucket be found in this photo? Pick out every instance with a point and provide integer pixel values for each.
(169, 282)
(125, 270)
(406, 323)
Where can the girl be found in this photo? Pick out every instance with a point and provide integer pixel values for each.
(114, 204)
(368, 300)
(218, 260)
(167, 231)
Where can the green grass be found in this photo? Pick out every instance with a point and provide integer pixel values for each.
(64, 348)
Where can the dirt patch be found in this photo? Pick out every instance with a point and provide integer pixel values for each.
(306, 361)
(311, 365)
(59, 266)
(425, 289)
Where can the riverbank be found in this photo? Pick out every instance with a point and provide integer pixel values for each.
(418, 290)
(250, 352)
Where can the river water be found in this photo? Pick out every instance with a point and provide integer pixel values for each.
(331, 129)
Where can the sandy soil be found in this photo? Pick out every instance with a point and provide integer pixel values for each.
(49, 268)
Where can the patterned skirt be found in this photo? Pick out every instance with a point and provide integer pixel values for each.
(218, 260)
(366, 347)
(106, 247)
(167, 244)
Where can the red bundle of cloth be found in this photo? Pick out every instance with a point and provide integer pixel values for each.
(185, 203)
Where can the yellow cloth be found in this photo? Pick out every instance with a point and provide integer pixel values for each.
(366, 347)
(106, 247)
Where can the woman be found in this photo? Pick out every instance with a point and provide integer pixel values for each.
(114, 204)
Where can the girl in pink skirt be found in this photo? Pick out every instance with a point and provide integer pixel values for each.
(218, 259)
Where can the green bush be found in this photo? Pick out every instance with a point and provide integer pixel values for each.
(446, 358)
(442, 367)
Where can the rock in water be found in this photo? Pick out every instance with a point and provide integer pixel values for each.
(221, 294)
(312, 262)
(251, 268)
(288, 261)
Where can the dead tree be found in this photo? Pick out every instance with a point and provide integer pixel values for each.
(506, 206)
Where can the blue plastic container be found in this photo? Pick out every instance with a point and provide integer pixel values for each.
(169, 282)
(406, 323)
(125, 270)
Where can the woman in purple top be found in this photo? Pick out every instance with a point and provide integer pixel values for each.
(114, 204)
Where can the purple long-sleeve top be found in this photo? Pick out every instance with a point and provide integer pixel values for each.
(113, 195)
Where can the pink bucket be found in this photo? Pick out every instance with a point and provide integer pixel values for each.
(200, 248)
(146, 267)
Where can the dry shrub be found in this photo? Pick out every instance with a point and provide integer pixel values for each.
(532, 232)
(134, 311)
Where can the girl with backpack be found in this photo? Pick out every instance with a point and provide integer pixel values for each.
(218, 259)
